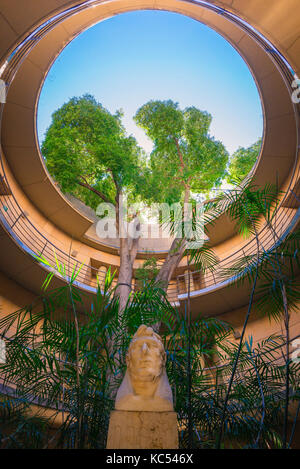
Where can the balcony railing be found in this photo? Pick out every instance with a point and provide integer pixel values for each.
(19, 226)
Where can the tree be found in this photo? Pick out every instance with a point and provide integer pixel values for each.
(185, 159)
(90, 156)
(242, 162)
(88, 153)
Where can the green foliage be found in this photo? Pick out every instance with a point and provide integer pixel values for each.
(184, 153)
(242, 162)
(147, 272)
(66, 368)
(277, 263)
(19, 429)
(86, 148)
(63, 364)
(258, 392)
(247, 205)
(271, 271)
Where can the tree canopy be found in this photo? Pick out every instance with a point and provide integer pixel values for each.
(242, 162)
(86, 148)
(185, 156)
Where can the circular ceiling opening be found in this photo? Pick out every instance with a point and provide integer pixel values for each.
(137, 57)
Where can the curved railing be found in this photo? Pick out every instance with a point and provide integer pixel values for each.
(33, 241)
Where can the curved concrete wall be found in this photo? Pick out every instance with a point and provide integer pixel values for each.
(19, 134)
(51, 213)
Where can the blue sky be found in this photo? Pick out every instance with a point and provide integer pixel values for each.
(131, 58)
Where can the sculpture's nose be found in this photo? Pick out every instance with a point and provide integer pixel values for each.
(144, 348)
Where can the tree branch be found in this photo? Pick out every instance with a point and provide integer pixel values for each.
(115, 181)
(182, 164)
(83, 183)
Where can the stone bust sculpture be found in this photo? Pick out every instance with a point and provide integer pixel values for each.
(145, 386)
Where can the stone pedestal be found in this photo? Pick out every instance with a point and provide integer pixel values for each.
(142, 430)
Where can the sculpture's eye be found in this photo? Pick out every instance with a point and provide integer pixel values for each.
(151, 345)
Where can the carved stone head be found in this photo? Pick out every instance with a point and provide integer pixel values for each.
(145, 386)
(146, 357)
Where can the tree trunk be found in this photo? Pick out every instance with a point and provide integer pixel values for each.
(174, 256)
(123, 288)
(128, 252)
(176, 251)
